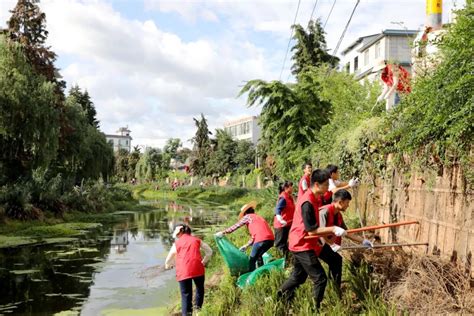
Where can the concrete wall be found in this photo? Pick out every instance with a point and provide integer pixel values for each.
(441, 204)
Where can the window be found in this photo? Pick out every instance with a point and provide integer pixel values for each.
(366, 57)
(126, 142)
(377, 50)
(356, 63)
(348, 67)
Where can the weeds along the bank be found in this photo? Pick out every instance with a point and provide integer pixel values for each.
(223, 297)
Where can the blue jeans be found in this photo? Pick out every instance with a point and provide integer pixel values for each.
(186, 287)
(257, 252)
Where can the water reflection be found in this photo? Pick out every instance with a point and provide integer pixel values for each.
(99, 270)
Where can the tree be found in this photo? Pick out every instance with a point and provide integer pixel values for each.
(86, 103)
(245, 155)
(222, 158)
(291, 114)
(170, 150)
(150, 165)
(183, 154)
(133, 159)
(122, 167)
(172, 146)
(202, 147)
(310, 49)
(27, 26)
(28, 120)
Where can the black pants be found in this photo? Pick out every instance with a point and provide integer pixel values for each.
(281, 239)
(334, 261)
(305, 264)
(186, 287)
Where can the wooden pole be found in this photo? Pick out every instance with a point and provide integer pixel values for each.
(363, 229)
(385, 246)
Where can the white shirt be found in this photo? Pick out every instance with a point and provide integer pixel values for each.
(333, 184)
(170, 259)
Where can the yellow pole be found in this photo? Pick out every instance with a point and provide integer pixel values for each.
(434, 14)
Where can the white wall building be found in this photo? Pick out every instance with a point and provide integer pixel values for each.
(122, 140)
(246, 128)
(366, 52)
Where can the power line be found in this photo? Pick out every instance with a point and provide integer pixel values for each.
(314, 8)
(345, 29)
(289, 40)
(327, 19)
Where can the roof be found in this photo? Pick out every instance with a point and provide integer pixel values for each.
(239, 121)
(356, 42)
(118, 136)
(369, 40)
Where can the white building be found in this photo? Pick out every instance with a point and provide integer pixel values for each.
(122, 140)
(367, 51)
(246, 128)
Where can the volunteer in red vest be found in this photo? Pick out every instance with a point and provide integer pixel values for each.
(305, 251)
(303, 185)
(395, 79)
(185, 254)
(331, 215)
(261, 235)
(284, 211)
(335, 184)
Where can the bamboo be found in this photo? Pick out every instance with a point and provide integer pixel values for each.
(385, 246)
(363, 229)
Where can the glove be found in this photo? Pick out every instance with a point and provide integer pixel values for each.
(367, 243)
(335, 247)
(339, 232)
(243, 248)
(219, 234)
(281, 220)
(353, 182)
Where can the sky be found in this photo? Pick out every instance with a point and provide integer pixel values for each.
(154, 65)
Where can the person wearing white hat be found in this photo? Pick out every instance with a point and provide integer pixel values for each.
(185, 254)
(262, 237)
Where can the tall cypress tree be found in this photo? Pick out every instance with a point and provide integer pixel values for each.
(27, 26)
(202, 147)
(310, 49)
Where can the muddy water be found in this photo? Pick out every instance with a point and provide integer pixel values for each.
(104, 271)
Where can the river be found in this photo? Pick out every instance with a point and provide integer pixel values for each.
(105, 271)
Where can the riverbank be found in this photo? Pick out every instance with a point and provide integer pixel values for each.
(224, 298)
(73, 223)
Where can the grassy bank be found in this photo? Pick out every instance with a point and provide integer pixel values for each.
(224, 298)
(72, 223)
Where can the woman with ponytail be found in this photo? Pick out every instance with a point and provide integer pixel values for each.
(185, 254)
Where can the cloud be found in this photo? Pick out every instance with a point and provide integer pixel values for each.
(156, 70)
(148, 78)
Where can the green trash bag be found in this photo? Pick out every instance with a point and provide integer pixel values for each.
(236, 260)
(267, 258)
(250, 278)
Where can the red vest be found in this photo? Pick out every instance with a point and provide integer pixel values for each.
(259, 229)
(300, 186)
(287, 213)
(188, 257)
(296, 241)
(327, 198)
(403, 78)
(330, 222)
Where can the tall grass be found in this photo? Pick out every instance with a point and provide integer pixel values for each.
(360, 293)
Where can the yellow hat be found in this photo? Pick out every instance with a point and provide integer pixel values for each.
(252, 204)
